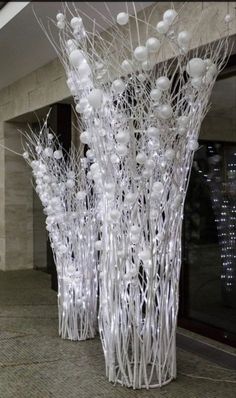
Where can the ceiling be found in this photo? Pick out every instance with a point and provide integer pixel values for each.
(23, 45)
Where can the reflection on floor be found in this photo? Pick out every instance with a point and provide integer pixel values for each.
(36, 363)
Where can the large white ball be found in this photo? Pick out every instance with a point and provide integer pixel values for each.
(169, 16)
(163, 83)
(122, 18)
(75, 22)
(196, 67)
(127, 66)
(165, 111)
(141, 158)
(162, 27)
(184, 38)
(141, 53)
(95, 98)
(85, 137)
(153, 44)
(155, 94)
(76, 57)
(118, 86)
(84, 69)
(58, 154)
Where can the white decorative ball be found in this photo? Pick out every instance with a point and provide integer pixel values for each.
(153, 44)
(115, 215)
(85, 137)
(135, 230)
(182, 121)
(75, 22)
(162, 27)
(114, 159)
(158, 187)
(61, 24)
(196, 67)
(127, 66)
(39, 149)
(169, 16)
(76, 57)
(141, 77)
(48, 152)
(90, 154)
(193, 145)
(70, 183)
(165, 111)
(228, 18)
(169, 154)
(207, 61)
(60, 17)
(122, 137)
(141, 158)
(184, 38)
(58, 154)
(153, 132)
(163, 83)
(84, 69)
(212, 69)
(149, 164)
(109, 187)
(121, 149)
(155, 94)
(122, 18)
(81, 195)
(146, 65)
(80, 107)
(118, 86)
(141, 53)
(130, 197)
(95, 98)
(25, 155)
(144, 255)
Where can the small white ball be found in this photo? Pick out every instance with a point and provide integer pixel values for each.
(158, 187)
(127, 66)
(122, 18)
(165, 111)
(149, 164)
(144, 255)
(85, 137)
(121, 149)
(153, 132)
(184, 38)
(114, 159)
(162, 27)
(193, 145)
(141, 53)
(130, 197)
(153, 44)
(141, 158)
(182, 121)
(146, 65)
(95, 98)
(60, 17)
(118, 86)
(84, 69)
(81, 195)
(58, 154)
(135, 230)
(80, 107)
(212, 69)
(196, 67)
(109, 187)
(114, 215)
(122, 137)
(169, 16)
(228, 18)
(196, 82)
(76, 57)
(141, 77)
(48, 152)
(169, 154)
(163, 83)
(90, 154)
(60, 24)
(25, 155)
(155, 94)
(70, 183)
(75, 22)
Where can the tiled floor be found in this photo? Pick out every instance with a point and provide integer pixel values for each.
(36, 363)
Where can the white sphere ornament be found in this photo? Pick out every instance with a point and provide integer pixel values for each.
(84, 69)
(196, 67)
(118, 86)
(115, 215)
(169, 154)
(130, 197)
(182, 121)
(228, 18)
(184, 38)
(70, 183)
(121, 149)
(122, 18)
(153, 132)
(61, 24)
(85, 137)
(155, 94)
(122, 137)
(158, 187)
(60, 17)
(114, 158)
(58, 154)
(196, 82)
(162, 27)
(75, 22)
(165, 111)
(212, 69)
(95, 98)
(141, 158)
(25, 155)
(76, 57)
(169, 16)
(146, 65)
(127, 66)
(81, 106)
(193, 145)
(153, 44)
(48, 152)
(81, 195)
(163, 83)
(141, 53)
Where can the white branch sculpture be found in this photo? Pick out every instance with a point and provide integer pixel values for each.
(142, 130)
(68, 202)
